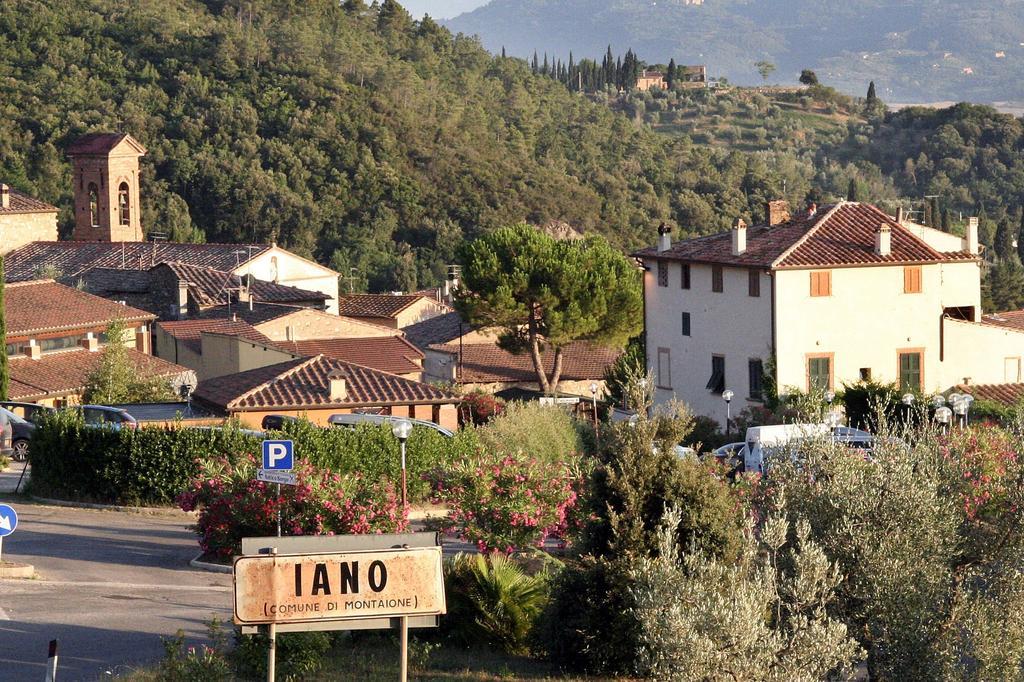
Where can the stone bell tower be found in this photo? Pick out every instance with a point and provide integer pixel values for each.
(106, 187)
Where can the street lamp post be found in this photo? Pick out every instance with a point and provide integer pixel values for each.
(727, 396)
(968, 401)
(908, 402)
(942, 416)
(401, 429)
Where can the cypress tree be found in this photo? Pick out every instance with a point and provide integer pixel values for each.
(945, 220)
(544, 68)
(935, 213)
(872, 97)
(5, 373)
(670, 77)
(503, 52)
(534, 65)
(851, 191)
(1020, 236)
(1004, 240)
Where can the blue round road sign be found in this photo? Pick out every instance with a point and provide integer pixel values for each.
(8, 519)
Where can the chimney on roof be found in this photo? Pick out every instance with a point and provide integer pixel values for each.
(182, 310)
(883, 240)
(739, 237)
(900, 217)
(972, 236)
(338, 385)
(812, 210)
(664, 237)
(777, 212)
(5, 196)
(90, 343)
(32, 351)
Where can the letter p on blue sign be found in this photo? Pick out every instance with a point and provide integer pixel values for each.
(278, 455)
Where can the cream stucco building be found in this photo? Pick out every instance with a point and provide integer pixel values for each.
(822, 298)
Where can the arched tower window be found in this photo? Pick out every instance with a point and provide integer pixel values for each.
(94, 205)
(123, 205)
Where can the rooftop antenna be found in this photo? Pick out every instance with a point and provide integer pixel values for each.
(353, 275)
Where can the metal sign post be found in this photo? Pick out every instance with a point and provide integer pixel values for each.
(272, 628)
(278, 460)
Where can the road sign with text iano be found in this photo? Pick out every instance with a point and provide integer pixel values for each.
(309, 588)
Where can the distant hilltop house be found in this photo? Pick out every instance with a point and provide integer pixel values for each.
(821, 298)
(687, 76)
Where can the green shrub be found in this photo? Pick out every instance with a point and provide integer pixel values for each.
(299, 654)
(547, 433)
(373, 451)
(153, 465)
(492, 602)
(587, 625)
(145, 466)
(196, 664)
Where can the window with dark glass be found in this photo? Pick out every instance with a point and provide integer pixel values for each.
(754, 283)
(686, 324)
(819, 373)
(123, 206)
(910, 371)
(755, 370)
(662, 273)
(716, 384)
(684, 276)
(716, 279)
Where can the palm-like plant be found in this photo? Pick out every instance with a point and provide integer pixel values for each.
(493, 601)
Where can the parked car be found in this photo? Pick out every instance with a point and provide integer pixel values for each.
(28, 411)
(106, 417)
(276, 422)
(351, 421)
(763, 440)
(21, 434)
(6, 436)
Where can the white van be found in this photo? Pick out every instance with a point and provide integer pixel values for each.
(766, 438)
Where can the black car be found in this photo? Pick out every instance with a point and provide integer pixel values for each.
(28, 411)
(21, 434)
(276, 422)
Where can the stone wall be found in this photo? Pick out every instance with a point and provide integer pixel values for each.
(18, 229)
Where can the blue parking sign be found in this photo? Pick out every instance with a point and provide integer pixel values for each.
(278, 455)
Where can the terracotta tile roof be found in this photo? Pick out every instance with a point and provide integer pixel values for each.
(108, 281)
(74, 258)
(376, 305)
(258, 314)
(836, 236)
(1011, 319)
(392, 354)
(101, 143)
(1008, 394)
(66, 372)
(45, 306)
(487, 363)
(209, 286)
(437, 330)
(304, 384)
(23, 203)
(189, 332)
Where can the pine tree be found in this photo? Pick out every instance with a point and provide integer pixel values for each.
(5, 373)
(670, 77)
(1004, 240)
(872, 97)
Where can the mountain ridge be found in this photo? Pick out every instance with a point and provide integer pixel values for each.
(915, 51)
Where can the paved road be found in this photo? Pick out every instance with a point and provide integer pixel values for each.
(111, 584)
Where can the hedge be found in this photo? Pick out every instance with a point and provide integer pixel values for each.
(152, 465)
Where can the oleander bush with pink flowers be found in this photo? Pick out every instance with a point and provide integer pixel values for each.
(233, 505)
(507, 501)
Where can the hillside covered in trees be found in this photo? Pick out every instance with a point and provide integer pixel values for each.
(365, 139)
(346, 132)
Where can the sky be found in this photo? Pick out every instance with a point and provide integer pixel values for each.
(440, 9)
